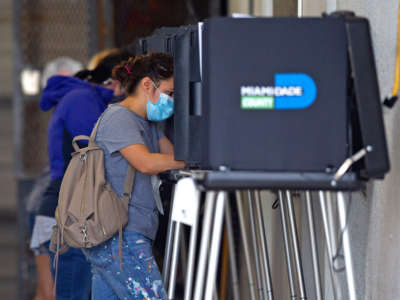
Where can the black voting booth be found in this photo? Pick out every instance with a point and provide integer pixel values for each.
(240, 104)
(250, 115)
(269, 103)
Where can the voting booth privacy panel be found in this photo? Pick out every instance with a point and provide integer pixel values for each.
(288, 98)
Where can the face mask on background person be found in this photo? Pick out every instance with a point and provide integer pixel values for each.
(162, 109)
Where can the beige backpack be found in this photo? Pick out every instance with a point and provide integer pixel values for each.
(89, 211)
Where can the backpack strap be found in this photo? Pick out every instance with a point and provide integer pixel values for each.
(79, 138)
(94, 131)
(90, 138)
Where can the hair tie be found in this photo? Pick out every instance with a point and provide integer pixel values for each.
(129, 70)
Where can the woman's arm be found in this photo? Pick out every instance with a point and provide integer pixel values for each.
(150, 163)
(165, 146)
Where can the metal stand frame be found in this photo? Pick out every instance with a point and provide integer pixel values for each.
(186, 211)
(346, 245)
(291, 243)
(264, 249)
(314, 248)
(246, 244)
(331, 241)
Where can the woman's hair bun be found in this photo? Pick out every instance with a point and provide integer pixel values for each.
(158, 66)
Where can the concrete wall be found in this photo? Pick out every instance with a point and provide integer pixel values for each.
(382, 263)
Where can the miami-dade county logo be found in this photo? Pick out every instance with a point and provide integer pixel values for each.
(291, 91)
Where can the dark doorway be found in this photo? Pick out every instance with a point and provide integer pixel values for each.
(134, 19)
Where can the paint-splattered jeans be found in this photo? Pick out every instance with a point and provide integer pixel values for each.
(139, 277)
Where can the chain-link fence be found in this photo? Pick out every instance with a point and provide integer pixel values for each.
(43, 31)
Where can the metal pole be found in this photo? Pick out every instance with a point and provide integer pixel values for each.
(299, 8)
(191, 261)
(331, 5)
(18, 110)
(232, 255)
(93, 22)
(209, 207)
(246, 244)
(255, 246)
(314, 249)
(335, 285)
(268, 8)
(287, 245)
(332, 224)
(264, 247)
(215, 293)
(346, 245)
(18, 136)
(251, 7)
(108, 16)
(168, 246)
(174, 264)
(295, 241)
(183, 249)
(215, 245)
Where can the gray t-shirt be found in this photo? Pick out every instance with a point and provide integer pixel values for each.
(119, 128)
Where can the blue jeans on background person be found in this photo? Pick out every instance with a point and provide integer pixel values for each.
(73, 275)
(139, 277)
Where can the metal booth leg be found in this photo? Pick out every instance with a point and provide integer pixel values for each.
(287, 245)
(255, 245)
(264, 249)
(341, 204)
(215, 245)
(191, 259)
(328, 240)
(185, 211)
(314, 248)
(183, 249)
(332, 220)
(232, 253)
(168, 245)
(333, 228)
(204, 245)
(174, 263)
(246, 244)
(295, 241)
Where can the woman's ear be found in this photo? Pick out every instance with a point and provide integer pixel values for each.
(146, 84)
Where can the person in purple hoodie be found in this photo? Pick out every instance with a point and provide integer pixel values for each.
(78, 102)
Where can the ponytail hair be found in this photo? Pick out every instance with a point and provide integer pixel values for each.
(103, 71)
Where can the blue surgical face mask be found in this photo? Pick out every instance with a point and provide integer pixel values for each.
(161, 110)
